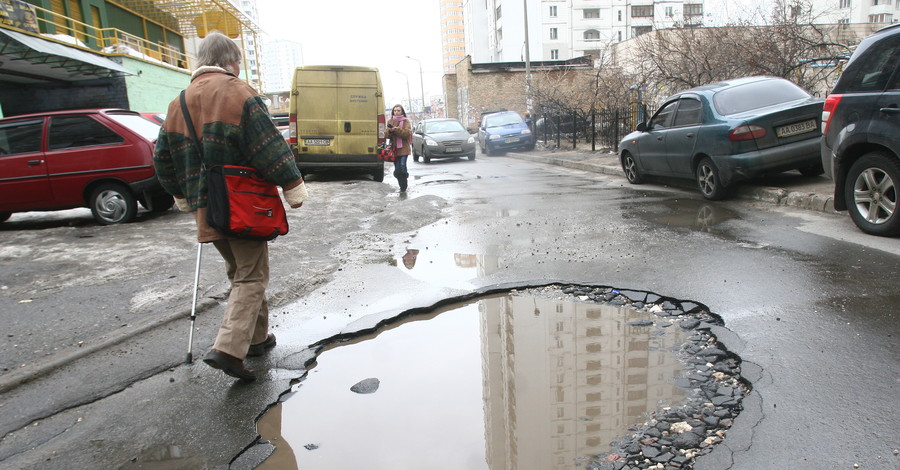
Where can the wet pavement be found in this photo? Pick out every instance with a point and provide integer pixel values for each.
(789, 189)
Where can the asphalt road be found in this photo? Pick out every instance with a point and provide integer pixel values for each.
(809, 304)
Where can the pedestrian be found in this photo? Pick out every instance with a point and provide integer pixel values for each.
(234, 128)
(400, 133)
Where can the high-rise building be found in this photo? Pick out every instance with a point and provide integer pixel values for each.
(279, 58)
(453, 33)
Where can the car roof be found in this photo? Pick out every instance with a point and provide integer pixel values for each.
(439, 119)
(73, 111)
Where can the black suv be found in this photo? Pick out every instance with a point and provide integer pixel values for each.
(861, 134)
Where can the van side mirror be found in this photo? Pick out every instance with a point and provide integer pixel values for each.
(642, 127)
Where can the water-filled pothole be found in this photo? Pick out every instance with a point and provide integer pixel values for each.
(538, 378)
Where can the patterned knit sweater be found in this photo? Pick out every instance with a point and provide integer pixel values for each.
(234, 127)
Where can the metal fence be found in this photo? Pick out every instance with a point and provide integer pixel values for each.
(597, 128)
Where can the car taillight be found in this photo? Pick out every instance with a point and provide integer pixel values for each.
(746, 132)
(292, 126)
(831, 104)
(381, 129)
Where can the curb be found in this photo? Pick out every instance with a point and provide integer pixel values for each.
(777, 196)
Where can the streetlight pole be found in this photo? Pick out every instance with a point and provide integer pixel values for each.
(408, 99)
(527, 61)
(421, 83)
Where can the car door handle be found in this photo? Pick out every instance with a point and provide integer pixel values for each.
(689, 135)
(35, 162)
(659, 138)
(891, 109)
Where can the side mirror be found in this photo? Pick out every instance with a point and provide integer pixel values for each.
(642, 127)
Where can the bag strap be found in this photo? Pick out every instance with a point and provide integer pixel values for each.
(191, 130)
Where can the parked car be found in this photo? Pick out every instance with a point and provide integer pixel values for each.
(721, 133)
(861, 128)
(156, 117)
(96, 158)
(503, 131)
(442, 138)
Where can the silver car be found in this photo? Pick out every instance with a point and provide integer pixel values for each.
(442, 138)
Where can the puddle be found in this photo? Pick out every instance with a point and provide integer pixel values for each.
(444, 268)
(689, 213)
(526, 380)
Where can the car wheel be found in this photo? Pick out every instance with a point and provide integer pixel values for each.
(471, 156)
(708, 180)
(425, 157)
(113, 203)
(415, 154)
(871, 194)
(812, 170)
(629, 166)
(378, 175)
(4, 216)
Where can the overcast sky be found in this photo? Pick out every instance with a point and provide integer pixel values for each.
(366, 33)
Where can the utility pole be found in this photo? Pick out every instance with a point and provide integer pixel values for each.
(421, 83)
(528, 104)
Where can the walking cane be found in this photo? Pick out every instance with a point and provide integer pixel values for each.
(190, 357)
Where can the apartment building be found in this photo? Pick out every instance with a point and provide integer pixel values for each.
(564, 29)
(453, 34)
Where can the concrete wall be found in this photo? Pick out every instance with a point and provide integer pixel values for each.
(154, 86)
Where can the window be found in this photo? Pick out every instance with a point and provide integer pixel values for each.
(875, 67)
(881, 18)
(620, 15)
(661, 119)
(497, 14)
(690, 112)
(693, 9)
(670, 12)
(639, 30)
(554, 54)
(620, 36)
(590, 13)
(845, 4)
(79, 131)
(591, 35)
(553, 11)
(21, 137)
(641, 11)
(554, 33)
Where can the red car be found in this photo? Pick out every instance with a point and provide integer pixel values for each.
(96, 158)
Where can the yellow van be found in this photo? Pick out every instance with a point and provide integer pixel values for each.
(337, 118)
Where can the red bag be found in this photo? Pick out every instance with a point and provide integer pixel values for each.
(388, 153)
(241, 203)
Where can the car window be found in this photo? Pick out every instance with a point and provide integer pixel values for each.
(443, 126)
(505, 119)
(21, 137)
(662, 118)
(80, 131)
(877, 66)
(689, 112)
(146, 129)
(755, 95)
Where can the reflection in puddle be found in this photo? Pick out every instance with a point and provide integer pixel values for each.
(446, 269)
(504, 382)
(689, 213)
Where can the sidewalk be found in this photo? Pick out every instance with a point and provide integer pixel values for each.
(786, 189)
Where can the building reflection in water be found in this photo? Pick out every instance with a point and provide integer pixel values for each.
(559, 380)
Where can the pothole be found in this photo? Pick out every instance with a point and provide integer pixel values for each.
(537, 378)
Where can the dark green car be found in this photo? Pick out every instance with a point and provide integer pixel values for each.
(725, 132)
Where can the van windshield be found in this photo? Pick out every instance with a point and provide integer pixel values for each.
(505, 119)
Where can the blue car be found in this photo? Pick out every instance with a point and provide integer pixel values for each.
(725, 132)
(503, 131)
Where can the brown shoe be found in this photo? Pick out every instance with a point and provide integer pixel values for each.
(259, 349)
(229, 364)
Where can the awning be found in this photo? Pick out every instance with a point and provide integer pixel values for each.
(29, 59)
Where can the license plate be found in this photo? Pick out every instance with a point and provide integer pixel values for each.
(454, 149)
(797, 128)
(511, 140)
(317, 141)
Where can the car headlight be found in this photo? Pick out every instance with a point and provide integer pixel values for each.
(526, 131)
(471, 139)
(495, 137)
(430, 143)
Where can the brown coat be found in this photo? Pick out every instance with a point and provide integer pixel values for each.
(404, 133)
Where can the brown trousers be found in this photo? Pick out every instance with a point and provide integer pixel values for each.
(246, 319)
